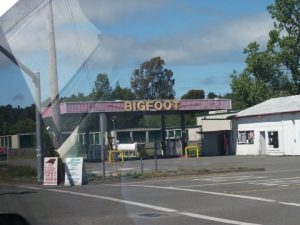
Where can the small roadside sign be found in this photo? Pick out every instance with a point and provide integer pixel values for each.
(3, 154)
(50, 170)
(73, 171)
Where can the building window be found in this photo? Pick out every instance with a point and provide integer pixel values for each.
(97, 138)
(246, 137)
(273, 139)
(91, 139)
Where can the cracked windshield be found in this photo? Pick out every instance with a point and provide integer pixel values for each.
(135, 112)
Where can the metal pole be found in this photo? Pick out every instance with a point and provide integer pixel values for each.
(183, 133)
(53, 78)
(39, 151)
(103, 125)
(4, 133)
(163, 135)
(142, 164)
(4, 123)
(155, 154)
(114, 130)
(36, 80)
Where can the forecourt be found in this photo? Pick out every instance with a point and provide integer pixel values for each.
(265, 197)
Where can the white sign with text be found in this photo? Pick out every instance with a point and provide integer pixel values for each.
(73, 171)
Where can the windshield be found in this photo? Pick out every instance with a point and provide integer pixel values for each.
(150, 112)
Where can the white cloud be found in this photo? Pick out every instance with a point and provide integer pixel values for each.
(203, 45)
(222, 42)
(109, 12)
(207, 45)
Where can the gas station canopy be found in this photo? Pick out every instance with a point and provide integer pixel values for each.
(144, 106)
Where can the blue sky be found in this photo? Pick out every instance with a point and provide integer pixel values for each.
(201, 41)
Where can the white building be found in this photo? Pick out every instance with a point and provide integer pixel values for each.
(269, 128)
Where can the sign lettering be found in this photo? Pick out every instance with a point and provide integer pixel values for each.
(151, 105)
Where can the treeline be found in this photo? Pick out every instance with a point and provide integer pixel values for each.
(150, 81)
(16, 119)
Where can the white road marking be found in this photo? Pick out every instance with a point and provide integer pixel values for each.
(115, 200)
(213, 184)
(280, 182)
(154, 207)
(290, 203)
(125, 169)
(229, 178)
(206, 192)
(101, 172)
(256, 182)
(199, 216)
(278, 171)
(34, 188)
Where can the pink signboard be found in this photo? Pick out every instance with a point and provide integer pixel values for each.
(50, 170)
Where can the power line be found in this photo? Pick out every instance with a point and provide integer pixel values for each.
(79, 43)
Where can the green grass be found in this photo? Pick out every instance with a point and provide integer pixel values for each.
(10, 172)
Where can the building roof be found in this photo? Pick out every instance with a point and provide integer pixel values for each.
(273, 106)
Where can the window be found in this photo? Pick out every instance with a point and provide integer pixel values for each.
(171, 133)
(246, 137)
(91, 139)
(80, 139)
(273, 139)
(97, 138)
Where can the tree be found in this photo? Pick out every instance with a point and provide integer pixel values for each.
(80, 97)
(274, 71)
(102, 89)
(153, 81)
(22, 126)
(285, 38)
(120, 93)
(194, 94)
(211, 95)
(247, 91)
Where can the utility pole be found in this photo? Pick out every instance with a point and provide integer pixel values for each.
(53, 79)
(37, 83)
(103, 127)
(4, 124)
(4, 133)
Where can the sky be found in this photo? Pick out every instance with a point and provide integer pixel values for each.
(202, 42)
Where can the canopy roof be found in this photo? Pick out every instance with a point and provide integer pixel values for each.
(144, 106)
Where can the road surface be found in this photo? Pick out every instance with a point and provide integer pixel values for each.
(267, 197)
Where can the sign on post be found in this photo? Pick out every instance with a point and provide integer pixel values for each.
(50, 170)
(73, 171)
(3, 154)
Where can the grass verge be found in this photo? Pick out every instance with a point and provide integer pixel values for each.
(178, 172)
(11, 172)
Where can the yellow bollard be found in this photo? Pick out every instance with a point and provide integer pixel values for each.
(190, 148)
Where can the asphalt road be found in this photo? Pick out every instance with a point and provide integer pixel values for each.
(268, 197)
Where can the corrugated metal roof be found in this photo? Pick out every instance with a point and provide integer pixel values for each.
(273, 106)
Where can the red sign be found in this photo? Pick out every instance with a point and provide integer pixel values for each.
(3, 150)
(50, 170)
